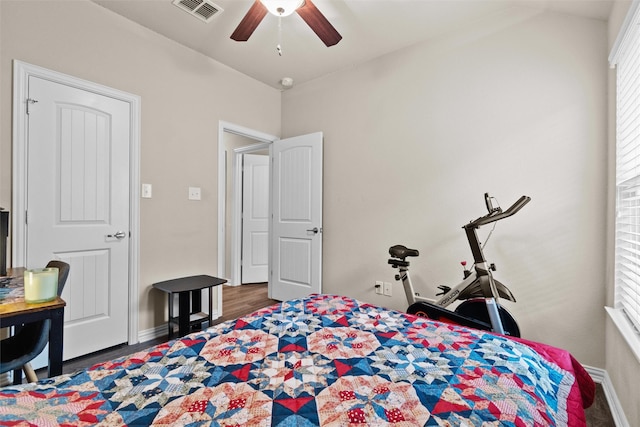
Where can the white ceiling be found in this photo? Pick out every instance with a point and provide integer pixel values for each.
(369, 28)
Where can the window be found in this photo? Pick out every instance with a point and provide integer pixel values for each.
(626, 58)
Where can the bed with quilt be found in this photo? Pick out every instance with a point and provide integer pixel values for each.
(319, 361)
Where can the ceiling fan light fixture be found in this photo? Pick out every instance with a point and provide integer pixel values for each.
(282, 7)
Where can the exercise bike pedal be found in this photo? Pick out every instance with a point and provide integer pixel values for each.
(444, 290)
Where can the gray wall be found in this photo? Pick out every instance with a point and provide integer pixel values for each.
(514, 105)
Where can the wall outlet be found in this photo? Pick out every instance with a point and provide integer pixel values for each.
(379, 287)
(386, 289)
(194, 193)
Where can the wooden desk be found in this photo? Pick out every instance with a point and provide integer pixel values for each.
(189, 290)
(16, 312)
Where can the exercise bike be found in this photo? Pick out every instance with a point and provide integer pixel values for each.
(479, 291)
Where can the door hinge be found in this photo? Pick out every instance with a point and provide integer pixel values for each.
(29, 102)
(26, 217)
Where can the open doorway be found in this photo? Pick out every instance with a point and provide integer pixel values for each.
(250, 217)
(234, 143)
(247, 224)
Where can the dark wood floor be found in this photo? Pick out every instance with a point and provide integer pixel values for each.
(245, 299)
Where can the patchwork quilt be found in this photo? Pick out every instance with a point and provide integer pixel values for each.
(319, 361)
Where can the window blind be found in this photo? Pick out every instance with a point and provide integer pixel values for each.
(627, 244)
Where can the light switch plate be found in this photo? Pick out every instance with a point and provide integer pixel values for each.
(146, 191)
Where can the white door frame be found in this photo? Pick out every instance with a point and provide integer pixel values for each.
(263, 140)
(21, 73)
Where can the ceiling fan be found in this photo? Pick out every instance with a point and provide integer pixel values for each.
(305, 8)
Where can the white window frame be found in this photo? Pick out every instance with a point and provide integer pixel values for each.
(625, 57)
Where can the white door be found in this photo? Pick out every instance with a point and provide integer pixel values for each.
(77, 203)
(255, 219)
(297, 217)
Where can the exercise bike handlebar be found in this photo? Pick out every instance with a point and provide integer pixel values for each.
(498, 214)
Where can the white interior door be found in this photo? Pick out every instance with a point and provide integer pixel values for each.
(296, 261)
(77, 203)
(255, 218)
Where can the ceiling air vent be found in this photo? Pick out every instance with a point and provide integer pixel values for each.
(201, 9)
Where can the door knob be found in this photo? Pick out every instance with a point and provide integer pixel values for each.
(314, 230)
(119, 235)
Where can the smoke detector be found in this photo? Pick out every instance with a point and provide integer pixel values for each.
(201, 9)
(286, 82)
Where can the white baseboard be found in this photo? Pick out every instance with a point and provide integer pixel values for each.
(151, 334)
(601, 376)
(597, 374)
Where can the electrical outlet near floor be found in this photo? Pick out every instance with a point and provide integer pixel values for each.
(387, 289)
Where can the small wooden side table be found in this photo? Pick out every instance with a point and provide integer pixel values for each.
(189, 290)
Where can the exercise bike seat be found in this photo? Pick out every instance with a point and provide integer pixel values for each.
(401, 252)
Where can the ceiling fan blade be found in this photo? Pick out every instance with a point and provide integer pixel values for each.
(250, 22)
(318, 23)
